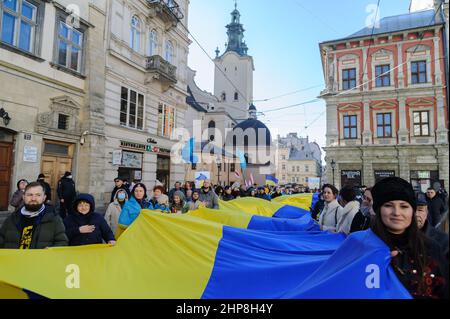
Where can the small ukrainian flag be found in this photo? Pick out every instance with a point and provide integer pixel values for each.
(271, 180)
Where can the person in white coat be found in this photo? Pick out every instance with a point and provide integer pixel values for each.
(331, 212)
(351, 207)
(115, 208)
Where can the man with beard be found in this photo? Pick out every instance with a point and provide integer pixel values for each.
(35, 225)
(208, 197)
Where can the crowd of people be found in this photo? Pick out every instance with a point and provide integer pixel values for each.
(402, 218)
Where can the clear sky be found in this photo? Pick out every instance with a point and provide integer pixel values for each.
(283, 37)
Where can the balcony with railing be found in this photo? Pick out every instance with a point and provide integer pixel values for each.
(168, 10)
(161, 69)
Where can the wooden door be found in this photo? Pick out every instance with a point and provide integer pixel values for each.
(5, 174)
(54, 168)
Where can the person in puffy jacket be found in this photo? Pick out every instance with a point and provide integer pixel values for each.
(133, 207)
(85, 226)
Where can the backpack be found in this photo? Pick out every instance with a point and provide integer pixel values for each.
(360, 222)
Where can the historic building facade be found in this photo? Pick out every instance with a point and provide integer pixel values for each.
(51, 92)
(146, 90)
(298, 160)
(387, 103)
(228, 118)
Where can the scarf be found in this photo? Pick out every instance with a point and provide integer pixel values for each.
(29, 214)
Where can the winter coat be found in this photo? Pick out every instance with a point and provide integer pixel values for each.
(49, 231)
(346, 218)
(194, 205)
(17, 199)
(436, 207)
(66, 189)
(436, 269)
(210, 198)
(161, 203)
(131, 210)
(76, 220)
(227, 197)
(438, 236)
(329, 217)
(112, 214)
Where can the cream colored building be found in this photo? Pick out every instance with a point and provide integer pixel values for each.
(51, 76)
(298, 160)
(146, 89)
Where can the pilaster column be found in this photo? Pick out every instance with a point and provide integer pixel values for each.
(403, 131)
(367, 133)
(401, 76)
(441, 131)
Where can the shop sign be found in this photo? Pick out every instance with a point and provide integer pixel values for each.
(379, 175)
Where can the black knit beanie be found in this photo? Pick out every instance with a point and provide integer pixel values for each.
(390, 189)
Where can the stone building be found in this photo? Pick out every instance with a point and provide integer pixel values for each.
(387, 102)
(298, 160)
(51, 93)
(99, 92)
(145, 90)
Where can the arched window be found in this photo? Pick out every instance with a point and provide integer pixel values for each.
(153, 42)
(211, 124)
(169, 52)
(135, 33)
(236, 96)
(223, 97)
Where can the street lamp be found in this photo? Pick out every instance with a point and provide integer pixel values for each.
(5, 116)
(333, 166)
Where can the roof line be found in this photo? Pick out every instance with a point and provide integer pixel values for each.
(378, 34)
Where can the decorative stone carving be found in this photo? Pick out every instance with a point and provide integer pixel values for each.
(48, 121)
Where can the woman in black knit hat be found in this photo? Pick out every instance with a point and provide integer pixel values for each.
(416, 259)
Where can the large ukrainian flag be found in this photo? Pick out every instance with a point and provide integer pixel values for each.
(206, 254)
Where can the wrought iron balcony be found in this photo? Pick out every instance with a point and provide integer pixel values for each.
(163, 70)
(168, 10)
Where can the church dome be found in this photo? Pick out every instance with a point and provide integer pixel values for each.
(241, 134)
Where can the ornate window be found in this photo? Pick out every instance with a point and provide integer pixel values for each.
(350, 127)
(383, 75)
(19, 23)
(169, 52)
(348, 79)
(132, 109)
(135, 33)
(384, 125)
(418, 72)
(70, 47)
(421, 123)
(153, 42)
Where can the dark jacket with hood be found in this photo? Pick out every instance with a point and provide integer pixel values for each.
(75, 221)
(66, 189)
(49, 230)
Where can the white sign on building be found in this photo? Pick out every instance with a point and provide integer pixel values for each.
(30, 154)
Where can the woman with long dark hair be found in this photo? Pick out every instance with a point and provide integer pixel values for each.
(416, 259)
